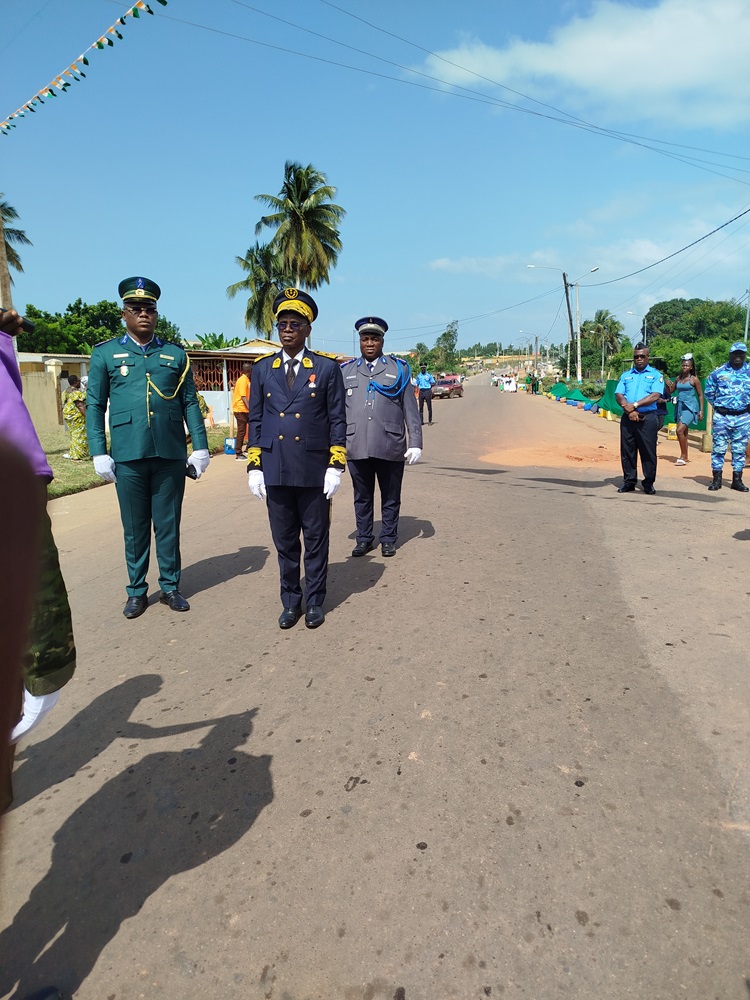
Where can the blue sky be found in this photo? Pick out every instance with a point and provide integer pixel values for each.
(150, 165)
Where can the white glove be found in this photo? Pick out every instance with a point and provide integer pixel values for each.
(331, 482)
(413, 455)
(105, 467)
(35, 707)
(257, 484)
(199, 461)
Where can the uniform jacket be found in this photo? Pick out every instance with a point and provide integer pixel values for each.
(295, 434)
(729, 387)
(376, 425)
(634, 385)
(142, 422)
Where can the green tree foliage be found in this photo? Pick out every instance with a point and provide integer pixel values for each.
(13, 237)
(266, 277)
(600, 339)
(217, 341)
(80, 328)
(690, 320)
(305, 223)
(443, 356)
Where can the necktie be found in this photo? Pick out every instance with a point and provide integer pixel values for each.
(290, 365)
(371, 365)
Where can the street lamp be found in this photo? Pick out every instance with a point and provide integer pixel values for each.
(631, 313)
(568, 285)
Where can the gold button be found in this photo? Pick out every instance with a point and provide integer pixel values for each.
(296, 439)
(281, 414)
(281, 437)
(151, 413)
(312, 393)
(268, 395)
(297, 415)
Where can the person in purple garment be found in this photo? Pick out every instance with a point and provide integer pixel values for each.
(50, 658)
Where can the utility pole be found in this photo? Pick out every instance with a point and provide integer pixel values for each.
(570, 321)
(579, 373)
(747, 313)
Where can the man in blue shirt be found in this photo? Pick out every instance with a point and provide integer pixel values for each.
(728, 391)
(425, 382)
(638, 392)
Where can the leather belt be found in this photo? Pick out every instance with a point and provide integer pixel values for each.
(730, 413)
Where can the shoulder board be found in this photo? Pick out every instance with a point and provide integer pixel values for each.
(351, 361)
(397, 358)
(103, 342)
(269, 355)
(325, 354)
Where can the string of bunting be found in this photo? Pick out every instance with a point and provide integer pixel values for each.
(74, 72)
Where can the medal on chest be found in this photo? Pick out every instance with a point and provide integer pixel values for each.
(124, 370)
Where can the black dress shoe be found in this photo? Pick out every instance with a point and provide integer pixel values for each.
(627, 488)
(362, 548)
(289, 617)
(649, 491)
(175, 601)
(388, 549)
(314, 617)
(135, 606)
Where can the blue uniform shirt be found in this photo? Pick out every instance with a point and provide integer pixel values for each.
(729, 387)
(425, 380)
(634, 385)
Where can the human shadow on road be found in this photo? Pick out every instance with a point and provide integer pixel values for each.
(472, 472)
(409, 528)
(167, 814)
(89, 733)
(353, 576)
(208, 573)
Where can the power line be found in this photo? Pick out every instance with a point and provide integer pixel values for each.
(597, 284)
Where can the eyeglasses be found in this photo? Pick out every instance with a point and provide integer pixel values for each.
(290, 324)
(149, 310)
(637, 357)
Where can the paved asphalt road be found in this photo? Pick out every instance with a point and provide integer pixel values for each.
(512, 763)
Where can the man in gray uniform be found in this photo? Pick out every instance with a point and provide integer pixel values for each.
(380, 409)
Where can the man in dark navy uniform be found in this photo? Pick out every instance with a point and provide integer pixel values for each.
(638, 392)
(297, 452)
(380, 409)
(151, 394)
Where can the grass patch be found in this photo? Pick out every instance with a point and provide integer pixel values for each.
(74, 477)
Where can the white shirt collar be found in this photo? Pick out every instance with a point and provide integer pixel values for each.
(287, 357)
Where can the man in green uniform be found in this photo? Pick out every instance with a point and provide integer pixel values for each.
(151, 394)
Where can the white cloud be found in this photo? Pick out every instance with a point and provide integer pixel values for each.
(487, 267)
(679, 62)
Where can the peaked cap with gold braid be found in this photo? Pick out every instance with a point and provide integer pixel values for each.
(295, 300)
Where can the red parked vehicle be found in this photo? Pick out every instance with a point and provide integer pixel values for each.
(448, 387)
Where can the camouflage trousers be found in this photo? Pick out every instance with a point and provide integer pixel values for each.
(729, 431)
(51, 658)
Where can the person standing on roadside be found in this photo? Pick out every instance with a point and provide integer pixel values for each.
(50, 658)
(425, 382)
(241, 408)
(728, 391)
(688, 408)
(296, 453)
(149, 387)
(638, 393)
(380, 409)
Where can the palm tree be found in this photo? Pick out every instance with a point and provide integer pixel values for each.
(604, 330)
(265, 279)
(306, 224)
(12, 236)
